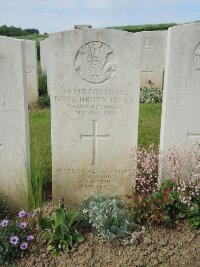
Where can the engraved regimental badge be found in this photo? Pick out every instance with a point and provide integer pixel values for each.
(94, 62)
(196, 57)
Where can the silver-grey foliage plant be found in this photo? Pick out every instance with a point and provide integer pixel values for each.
(106, 216)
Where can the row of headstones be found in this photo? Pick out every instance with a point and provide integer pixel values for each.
(94, 80)
(152, 62)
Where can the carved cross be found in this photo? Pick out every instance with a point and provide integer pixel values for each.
(94, 136)
(147, 71)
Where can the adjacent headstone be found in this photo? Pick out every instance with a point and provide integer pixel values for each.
(180, 124)
(44, 58)
(31, 71)
(153, 58)
(14, 149)
(82, 26)
(94, 85)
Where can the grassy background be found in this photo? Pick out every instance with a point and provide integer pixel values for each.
(149, 124)
(40, 144)
(40, 148)
(145, 27)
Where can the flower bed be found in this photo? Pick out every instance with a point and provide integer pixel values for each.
(159, 223)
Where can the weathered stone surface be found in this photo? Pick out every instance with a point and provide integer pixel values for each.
(180, 125)
(94, 85)
(153, 58)
(14, 149)
(31, 71)
(44, 58)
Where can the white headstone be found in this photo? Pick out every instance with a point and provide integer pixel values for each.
(31, 71)
(14, 148)
(180, 124)
(153, 58)
(44, 58)
(94, 85)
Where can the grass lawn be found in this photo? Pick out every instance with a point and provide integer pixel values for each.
(149, 124)
(40, 147)
(40, 143)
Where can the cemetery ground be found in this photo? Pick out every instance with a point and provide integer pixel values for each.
(157, 244)
(159, 223)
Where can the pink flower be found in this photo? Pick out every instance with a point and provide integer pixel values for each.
(30, 238)
(3, 223)
(24, 245)
(23, 214)
(14, 240)
(22, 225)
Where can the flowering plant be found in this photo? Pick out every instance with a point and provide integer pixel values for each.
(15, 237)
(145, 169)
(158, 207)
(176, 198)
(184, 169)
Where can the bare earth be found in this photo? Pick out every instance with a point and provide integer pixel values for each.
(157, 247)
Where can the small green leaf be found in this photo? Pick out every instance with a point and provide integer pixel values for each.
(71, 217)
(68, 240)
(65, 248)
(45, 235)
(65, 229)
(59, 232)
(45, 223)
(55, 252)
(77, 237)
(59, 216)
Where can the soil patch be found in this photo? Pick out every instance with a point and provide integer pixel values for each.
(158, 246)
